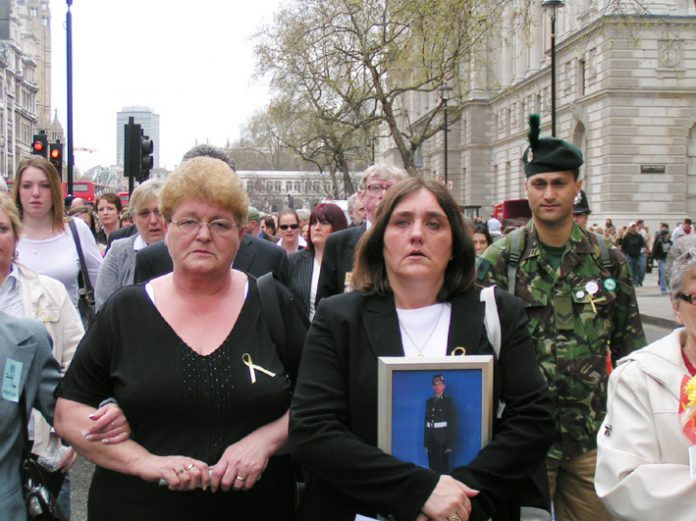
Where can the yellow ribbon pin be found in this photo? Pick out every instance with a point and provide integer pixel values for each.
(247, 361)
(458, 351)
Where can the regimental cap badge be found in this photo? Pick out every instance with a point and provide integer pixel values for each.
(530, 156)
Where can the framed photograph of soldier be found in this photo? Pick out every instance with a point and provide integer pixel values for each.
(435, 412)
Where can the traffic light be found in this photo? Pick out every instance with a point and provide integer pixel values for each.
(138, 149)
(40, 144)
(55, 156)
(146, 159)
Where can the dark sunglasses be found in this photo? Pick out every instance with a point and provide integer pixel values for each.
(691, 298)
(291, 226)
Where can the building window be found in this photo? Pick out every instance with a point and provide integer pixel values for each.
(277, 186)
(581, 78)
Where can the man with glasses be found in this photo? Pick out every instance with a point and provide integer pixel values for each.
(582, 309)
(337, 263)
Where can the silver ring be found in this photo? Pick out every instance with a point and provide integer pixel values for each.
(191, 465)
(240, 478)
(454, 517)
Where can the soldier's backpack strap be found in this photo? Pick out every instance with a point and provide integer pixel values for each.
(514, 257)
(604, 252)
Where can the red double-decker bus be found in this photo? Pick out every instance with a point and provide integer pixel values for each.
(87, 190)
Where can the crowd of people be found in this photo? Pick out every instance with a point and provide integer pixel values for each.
(231, 371)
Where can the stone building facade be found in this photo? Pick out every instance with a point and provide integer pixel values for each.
(626, 95)
(25, 78)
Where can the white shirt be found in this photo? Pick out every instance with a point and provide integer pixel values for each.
(424, 331)
(10, 298)
(57, 257)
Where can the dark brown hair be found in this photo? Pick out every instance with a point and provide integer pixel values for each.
(370, 273)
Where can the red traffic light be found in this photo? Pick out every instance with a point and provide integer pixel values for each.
(39, 145)
(55, 153)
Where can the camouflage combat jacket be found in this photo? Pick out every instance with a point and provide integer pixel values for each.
(571, 336)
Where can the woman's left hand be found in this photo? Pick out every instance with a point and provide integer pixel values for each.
(110, 425)
(241, 464)
(68, 460)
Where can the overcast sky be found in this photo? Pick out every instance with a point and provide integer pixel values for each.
(191, 62)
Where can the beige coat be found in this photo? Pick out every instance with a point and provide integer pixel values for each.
(642, 452)
(46, 299)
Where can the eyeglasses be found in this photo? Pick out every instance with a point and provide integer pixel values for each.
(377, 188)
(291, 226)
(690, 298)
(219, 227)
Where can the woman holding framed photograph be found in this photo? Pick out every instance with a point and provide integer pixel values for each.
(415, 296)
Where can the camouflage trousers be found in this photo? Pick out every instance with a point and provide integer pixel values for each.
(571, 486)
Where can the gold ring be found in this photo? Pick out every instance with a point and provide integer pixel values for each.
(191, 465)
(454, 517)
(240, 478)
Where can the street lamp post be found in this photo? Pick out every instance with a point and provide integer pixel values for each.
(551, 6)
(444, 96)
(69, 74)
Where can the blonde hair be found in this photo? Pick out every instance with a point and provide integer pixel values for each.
(208, 179)
(57, 220)
(8, 206)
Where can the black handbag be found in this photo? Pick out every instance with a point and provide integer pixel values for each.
(40, 502)
(85, 303)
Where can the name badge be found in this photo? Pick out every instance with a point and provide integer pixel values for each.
(11, 380)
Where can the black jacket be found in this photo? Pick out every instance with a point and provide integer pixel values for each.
(339, 251)
(333, 421)
(255, 256)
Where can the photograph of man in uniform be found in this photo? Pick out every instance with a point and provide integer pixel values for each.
(440, 426)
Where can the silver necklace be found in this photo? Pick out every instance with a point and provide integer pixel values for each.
(432, 332)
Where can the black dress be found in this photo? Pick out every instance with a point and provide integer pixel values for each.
(179, 402)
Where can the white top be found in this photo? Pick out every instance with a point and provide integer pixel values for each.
(316, 270)
(424, 331)
(57, 257)
(300, 242)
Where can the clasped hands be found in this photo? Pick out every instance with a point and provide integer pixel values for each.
(449, 501)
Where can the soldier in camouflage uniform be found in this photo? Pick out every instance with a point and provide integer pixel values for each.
(581, 306)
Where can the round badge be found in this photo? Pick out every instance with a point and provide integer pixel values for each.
(579, 293)
(609, 284)
(592, 287)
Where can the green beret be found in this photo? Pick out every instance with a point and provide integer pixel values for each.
(253, 215)
(549, 154)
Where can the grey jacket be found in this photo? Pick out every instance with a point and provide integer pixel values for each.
(28, 366)
(117, 270)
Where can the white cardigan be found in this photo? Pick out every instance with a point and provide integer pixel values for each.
(642, 452)
(47, 300)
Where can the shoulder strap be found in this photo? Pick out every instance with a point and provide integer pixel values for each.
(514, 257)
(26, 449)
(491, 319)
(604, 252)
(270, 306)
(89, 291)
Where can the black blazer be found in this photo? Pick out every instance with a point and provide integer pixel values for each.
(301, 267)
(333, 422)
(255, 256)
(339, 251)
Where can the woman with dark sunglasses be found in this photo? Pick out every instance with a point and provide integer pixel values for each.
(645, 455)
(289, 224)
